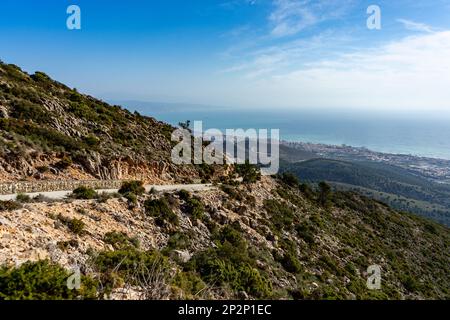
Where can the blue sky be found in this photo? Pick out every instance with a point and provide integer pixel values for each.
(240, 53)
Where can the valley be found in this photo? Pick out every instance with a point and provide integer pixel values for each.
(409, 183)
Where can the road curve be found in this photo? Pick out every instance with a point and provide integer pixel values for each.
(60, 195)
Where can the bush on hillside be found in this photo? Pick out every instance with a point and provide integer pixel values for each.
(195, 208)
(9, 205)
(249, 173)
(84, 193)
(75, 225)
(64, 163)
(184, 195)
(290, 179)
(161, 211)
(120, 240)
(135, 187)
(42, 280)
(324, 194)
(282, 216)
(23, 198)
(130, 266)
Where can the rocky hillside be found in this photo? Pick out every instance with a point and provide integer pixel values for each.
(262, 238)
(49, 131)
(269, 239)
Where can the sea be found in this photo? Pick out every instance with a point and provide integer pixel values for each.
(419, 134)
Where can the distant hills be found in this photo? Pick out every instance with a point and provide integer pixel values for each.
(294, 155)
(391, 184)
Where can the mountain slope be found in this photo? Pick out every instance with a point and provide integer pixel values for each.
(260, 240)
(49, 131)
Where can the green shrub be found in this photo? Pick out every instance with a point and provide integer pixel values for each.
(43, 169)
(249, 173)
(91, 141)
(307, 191)
(290, 179)
(9, 205)
(64, 163)
(39, 76)
(75, 225)
(195, 208)
(131, 198)
(281, 215)
(232, 192)
(178, 240)
(291, 263)
(230, 246)
(231, 234)
(42, 280)
(239, 278)
(410, 283)
(252, 282)
(120, 240)
(206, 172)
(161, 211)
(430, 228)
(324, 194)
(330, 264)
(229, 263)
(127, 263)
(289, 260)
(306, 232)
(23, 198)
(184, 195)
(26, 110)
(135, 187)
(189, 282)
(84, 193)
(44, 137)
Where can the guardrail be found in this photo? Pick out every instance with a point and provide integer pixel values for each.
(55, 185)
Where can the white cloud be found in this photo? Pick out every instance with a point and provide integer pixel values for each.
(292, 16)
(415, 26)
(289, 54)
(411, 73)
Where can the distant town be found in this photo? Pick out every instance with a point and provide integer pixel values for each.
(437, 170)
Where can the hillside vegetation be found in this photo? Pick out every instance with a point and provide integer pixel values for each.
(264, 240)
(393, 185)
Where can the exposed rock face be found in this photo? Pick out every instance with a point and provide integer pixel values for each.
(33, 233)
(181, 255)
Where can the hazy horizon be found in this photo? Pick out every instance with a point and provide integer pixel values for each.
(415, 134)
(150, 108)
